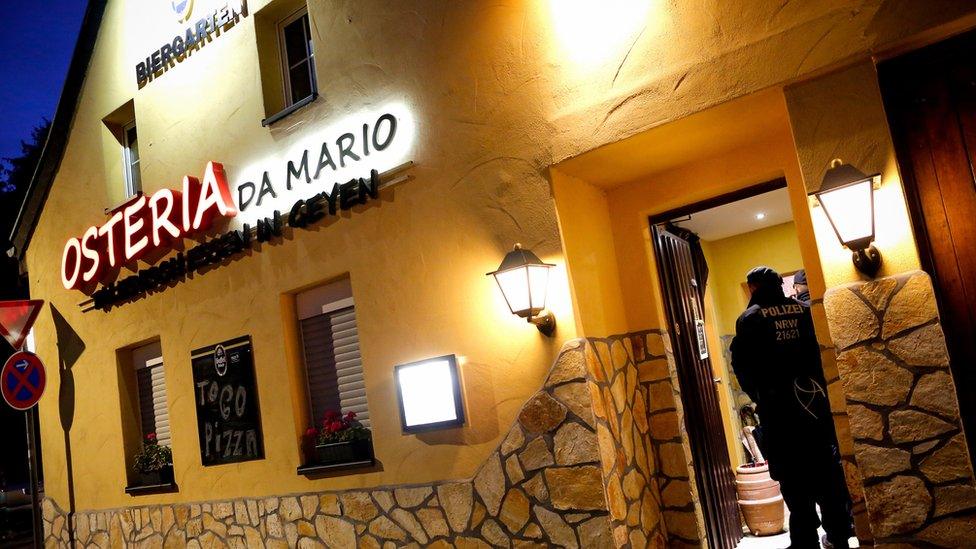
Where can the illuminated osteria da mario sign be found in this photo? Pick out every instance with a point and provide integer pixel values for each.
(298, 189)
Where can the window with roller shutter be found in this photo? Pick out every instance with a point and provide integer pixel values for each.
(154, 415)
(330, 341)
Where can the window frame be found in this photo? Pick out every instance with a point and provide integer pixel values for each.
(283, 61)
(128, 167)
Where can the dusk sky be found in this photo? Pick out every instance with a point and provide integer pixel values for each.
(35, 50)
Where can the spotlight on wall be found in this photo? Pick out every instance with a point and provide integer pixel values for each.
(847, 197)
(524, 281)
(429, 392)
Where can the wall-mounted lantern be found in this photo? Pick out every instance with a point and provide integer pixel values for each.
(847, 197)
(524, 281)
(429, 393)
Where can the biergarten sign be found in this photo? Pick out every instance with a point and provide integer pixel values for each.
(177, 49)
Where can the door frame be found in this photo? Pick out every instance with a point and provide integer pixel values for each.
(716, 492)
(659, 220)
(720, 200)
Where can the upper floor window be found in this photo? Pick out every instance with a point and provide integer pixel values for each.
(130, 160)
(297, 59)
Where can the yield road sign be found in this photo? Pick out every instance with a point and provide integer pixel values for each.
(22, 380)
(16, 319)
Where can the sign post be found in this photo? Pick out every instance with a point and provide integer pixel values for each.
(31, 416)
(22, 382)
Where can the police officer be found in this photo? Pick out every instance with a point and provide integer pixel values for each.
(776, 358)
(801, 287)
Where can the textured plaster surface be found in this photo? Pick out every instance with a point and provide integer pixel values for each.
(497, 99)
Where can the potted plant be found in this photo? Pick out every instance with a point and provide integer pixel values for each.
(340, 439)
(154, 464)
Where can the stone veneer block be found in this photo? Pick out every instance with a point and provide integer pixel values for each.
(851, 320)
(914, 426)
(872, 378)
(880, 461)
(935, 392)
(948, 463)
(925, 346)
(541, 414)
(898, 506)
(913, 305)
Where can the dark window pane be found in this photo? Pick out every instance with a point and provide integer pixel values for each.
(301, 82)
(320, 366)
(136, 179)
(308, 37)
(296, 46)
(146, 411)
(133, 143)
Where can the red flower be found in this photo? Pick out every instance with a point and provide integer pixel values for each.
(330, 416)
(151, 437)
(350, 416)
(335, 426)
(311, 432)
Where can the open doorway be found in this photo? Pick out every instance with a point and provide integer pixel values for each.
(704, 251)
(604, 199)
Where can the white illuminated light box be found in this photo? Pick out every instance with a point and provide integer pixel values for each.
(429, 392)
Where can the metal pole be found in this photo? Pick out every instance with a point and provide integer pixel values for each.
(32, 470)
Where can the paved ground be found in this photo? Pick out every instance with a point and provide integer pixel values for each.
(779, 541)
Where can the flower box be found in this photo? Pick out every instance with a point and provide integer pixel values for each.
(336, 453)
(159, 477)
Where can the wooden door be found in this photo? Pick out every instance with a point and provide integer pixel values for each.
(930, 99)
(703, 420)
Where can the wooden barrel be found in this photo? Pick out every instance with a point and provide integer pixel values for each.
(760, 499)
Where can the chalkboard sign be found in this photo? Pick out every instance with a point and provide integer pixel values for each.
(228, 416)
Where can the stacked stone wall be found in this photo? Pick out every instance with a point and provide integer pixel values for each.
(542, 487)
(904, 418)
(842, 425)
(622, 404)
(658, 376)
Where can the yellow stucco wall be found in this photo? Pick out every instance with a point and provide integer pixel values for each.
(587, 234)
(840, 115)
(499, 91)
(729, 259)
(630, 206)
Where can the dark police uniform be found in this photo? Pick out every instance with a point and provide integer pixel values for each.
(776, 358)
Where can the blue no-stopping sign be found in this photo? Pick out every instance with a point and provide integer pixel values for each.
(22, 380)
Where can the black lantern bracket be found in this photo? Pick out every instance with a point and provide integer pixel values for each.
(868, 260)
(545, 322)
